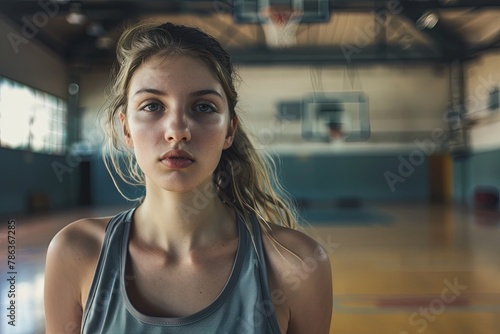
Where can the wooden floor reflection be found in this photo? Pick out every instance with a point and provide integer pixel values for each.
(429, 269)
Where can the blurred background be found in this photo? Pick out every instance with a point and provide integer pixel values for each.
(383, 118)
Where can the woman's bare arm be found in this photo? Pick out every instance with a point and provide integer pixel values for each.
(70, 263)
(312, 302)
(306, 281)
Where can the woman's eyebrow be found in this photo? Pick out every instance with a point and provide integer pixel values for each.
(206, 92)
(150, 91)
(194, 94)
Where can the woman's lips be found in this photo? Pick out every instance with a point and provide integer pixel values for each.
(177, 159)
(177, 163)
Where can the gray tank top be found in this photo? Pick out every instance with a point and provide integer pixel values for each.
(243, 307)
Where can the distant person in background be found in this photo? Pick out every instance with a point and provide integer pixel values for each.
(211, 247)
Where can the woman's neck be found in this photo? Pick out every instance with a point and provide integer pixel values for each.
(182, 222)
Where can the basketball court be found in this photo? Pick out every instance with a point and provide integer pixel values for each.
(383, 119)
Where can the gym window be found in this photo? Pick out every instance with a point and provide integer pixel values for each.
(31, 119)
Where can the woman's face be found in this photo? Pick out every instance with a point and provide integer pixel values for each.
(177, 122)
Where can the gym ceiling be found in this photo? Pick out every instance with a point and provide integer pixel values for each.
(356, 31)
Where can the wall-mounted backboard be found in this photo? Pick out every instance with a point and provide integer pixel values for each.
(336, 116)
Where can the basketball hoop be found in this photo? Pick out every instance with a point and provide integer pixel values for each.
(280, 23)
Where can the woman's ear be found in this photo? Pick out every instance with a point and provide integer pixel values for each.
(126, 132)
(233, 125)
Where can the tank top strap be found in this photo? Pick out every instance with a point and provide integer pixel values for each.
(258, 242)
(264, 281)
(119, 218)
(112, 228)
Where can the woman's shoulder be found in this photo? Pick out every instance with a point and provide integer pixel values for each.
(72, 256)
(74, 251)
(294, 246)
(300, 274)
(81, 238)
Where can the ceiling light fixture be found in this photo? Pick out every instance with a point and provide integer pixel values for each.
(104, 43)
(76, 15)
(428, 20)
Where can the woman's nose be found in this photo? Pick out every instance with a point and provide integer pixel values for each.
(177, 126)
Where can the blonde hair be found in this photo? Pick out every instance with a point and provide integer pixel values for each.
(244, 179)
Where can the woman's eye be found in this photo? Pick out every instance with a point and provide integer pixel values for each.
(152, 107)
(204, 108)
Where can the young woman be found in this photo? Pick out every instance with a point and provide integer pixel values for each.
(211, 247)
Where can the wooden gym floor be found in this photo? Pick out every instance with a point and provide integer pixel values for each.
(397, 269)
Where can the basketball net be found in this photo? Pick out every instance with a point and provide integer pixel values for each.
(336, 132)
(280, 25)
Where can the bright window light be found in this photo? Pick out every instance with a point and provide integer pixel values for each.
(31, 119)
